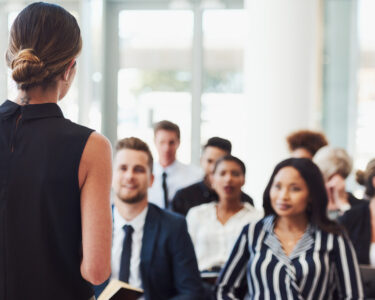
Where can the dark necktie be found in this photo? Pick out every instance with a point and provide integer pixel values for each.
(165, 190)
(126, 254)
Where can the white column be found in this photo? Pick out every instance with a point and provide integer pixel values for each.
(4, 36)
(282, 81)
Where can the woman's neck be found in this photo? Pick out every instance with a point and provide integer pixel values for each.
(230, 204)
(37, 95)
(226, 208)
(292, 224)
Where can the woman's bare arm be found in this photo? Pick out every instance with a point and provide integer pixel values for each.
(95, 176)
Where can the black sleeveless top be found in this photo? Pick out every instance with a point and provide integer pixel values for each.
(40, 216)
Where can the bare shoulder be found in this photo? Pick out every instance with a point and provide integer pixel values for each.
(96, 155)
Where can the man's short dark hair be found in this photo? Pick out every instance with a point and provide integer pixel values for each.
(168, 126)
(133, 143)
(220, 143)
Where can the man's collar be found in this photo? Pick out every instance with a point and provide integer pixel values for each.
(31, 111)
(137, 223)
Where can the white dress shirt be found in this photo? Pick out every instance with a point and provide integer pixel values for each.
(179, 176)
(118, 238)
(213, 241)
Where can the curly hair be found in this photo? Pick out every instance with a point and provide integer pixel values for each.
(312, 141)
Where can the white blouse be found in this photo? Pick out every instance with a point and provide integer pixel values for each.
(213, 241)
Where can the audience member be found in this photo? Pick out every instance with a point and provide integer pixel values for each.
(295, 252)
(215, 226)
(305, 143)
(55, 175)
(202, 191)
(151, 248)
(170, 174)
(335, 165)
(359, 221)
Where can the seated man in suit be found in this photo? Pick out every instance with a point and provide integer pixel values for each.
(151, 247)
(201, 192)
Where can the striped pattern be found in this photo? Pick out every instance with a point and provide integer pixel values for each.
(322, 266)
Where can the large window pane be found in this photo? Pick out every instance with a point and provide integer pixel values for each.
(223, 101)
(154, 78)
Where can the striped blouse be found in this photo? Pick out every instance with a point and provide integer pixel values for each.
(321, 266)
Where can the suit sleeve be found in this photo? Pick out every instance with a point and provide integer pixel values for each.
(187, 278)
(178, 203)
(232, 280)
(348, 274)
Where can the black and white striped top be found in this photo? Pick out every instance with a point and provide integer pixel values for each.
(321, 266)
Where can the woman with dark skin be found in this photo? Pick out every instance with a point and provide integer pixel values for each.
(55, 175)
(295, 252)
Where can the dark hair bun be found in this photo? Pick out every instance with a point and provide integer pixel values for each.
(360, 177)
(28, 68)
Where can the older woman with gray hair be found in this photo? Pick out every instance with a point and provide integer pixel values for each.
(336, 165)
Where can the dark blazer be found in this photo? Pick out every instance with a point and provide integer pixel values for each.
(357, 223)
(168, 265)
(197, 194)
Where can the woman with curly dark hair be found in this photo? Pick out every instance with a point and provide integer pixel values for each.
(305, 143)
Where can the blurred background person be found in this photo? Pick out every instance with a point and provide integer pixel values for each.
(295, 251)
(202, 191)
(55, 175)
(305, 143)
(170, 174)
(215, 226)
(336, 165)
(360, 220)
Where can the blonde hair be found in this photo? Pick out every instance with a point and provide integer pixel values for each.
(333, 161)
(44, 39)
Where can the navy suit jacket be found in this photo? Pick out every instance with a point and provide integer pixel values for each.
(168, 265)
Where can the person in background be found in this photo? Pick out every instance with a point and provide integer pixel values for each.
(335, 165)
(151, 248)
(305, 143)
(295, 251)
(215, 226)
(359, 221)
(202, 192)
(55, 175)
(170, 174)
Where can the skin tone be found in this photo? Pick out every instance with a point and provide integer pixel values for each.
(209, 157)
(301, 153)
(228, 180)
(167, 143)
(289, 199)
(131, 179)
(94, 176)
(337, 196)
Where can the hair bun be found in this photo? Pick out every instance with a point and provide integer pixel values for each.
(360, 177)
(28, 68)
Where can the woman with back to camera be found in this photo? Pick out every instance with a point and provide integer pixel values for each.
(55, 175)
(295, 251)
(360, 220)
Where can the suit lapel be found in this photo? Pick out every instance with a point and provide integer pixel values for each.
(150, 233)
